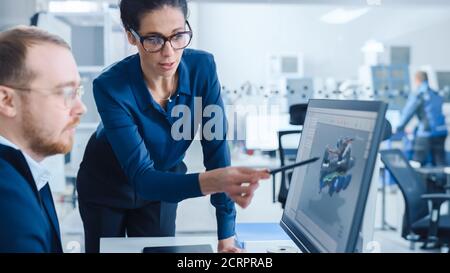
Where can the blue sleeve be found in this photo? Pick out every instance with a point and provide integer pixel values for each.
(216, 153)
(411, 107)
(128, 145)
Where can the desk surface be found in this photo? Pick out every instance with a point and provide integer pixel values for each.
(136, 245)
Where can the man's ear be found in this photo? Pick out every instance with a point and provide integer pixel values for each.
(131, 39)
(8, 105)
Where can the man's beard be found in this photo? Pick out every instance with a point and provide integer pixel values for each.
(42, 144)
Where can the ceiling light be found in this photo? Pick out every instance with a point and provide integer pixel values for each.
(342, 16)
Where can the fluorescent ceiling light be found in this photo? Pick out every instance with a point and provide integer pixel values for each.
(342, 16)
(73, 6)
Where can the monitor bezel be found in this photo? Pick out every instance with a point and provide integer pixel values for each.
(379, 107)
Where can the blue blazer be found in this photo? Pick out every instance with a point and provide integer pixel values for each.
(133, 158)
(28, 217)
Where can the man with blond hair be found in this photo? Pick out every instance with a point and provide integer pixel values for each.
(40, 107)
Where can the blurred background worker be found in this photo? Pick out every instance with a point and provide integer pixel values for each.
(430, 134)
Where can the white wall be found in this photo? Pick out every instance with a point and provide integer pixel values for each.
(16, 12)
(241, 36)
(431, 45)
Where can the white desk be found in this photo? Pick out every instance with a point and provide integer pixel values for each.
(136, 245)
(266, 246)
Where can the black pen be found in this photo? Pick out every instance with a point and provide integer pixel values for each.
(287, 167)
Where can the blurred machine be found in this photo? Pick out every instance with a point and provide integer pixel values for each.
(298, 89)
(400, 55)
(389, 83)
(287, 64)
(97, 38)
(286, 84)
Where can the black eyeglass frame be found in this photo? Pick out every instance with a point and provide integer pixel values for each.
(164, 38)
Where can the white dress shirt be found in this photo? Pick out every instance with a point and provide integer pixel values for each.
(40, 174)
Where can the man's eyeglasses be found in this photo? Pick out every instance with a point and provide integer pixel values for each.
(155, 42)
(69, 93)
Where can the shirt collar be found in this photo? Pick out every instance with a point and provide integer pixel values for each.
(40, 174)
(140, 89)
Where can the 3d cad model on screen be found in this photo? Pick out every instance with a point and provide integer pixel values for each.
(336, 165)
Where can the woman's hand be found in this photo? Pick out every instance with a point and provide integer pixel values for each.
(228, 246)
(238, 182)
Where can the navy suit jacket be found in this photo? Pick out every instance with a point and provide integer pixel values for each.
(134, 157)
(28, 220)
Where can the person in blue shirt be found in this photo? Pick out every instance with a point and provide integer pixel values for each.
(40, 107)
(132, 175)
(431, 132)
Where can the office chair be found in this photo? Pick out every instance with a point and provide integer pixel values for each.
(285, 156)
(419, 223)
(387, 130)
(297, 113)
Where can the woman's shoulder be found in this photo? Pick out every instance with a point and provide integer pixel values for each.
(195, 57)
(117, 71)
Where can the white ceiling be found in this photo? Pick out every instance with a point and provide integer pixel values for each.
(341, 2)
(391, 3)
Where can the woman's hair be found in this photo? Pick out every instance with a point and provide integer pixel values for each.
(131, 11)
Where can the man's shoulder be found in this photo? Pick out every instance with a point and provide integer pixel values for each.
(16, 194)
(23, 227)
(11, 179)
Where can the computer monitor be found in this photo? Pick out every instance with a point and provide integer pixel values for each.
(326, 201)
(443, 78)
(400, 55)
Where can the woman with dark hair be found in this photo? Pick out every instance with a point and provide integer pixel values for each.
(132, 175)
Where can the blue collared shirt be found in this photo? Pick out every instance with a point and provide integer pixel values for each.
(140, 130)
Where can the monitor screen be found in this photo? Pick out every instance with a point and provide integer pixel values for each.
(443, 78)
(400, 55)
(326, 200)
